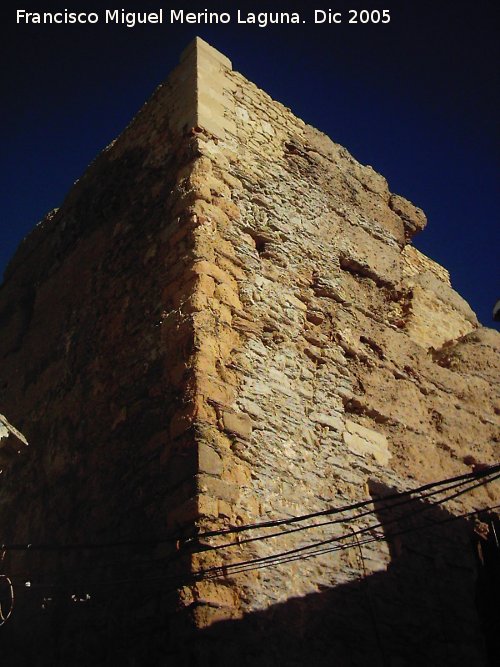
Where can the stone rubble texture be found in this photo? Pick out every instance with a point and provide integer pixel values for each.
(226, 323)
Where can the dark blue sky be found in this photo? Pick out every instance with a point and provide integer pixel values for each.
(417, 99)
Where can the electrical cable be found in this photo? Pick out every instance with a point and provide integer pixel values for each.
(300, 553)
(369, 602)
(198, 548)
(336, 510)
(362, 530)
(178, 581)
(339, 547)
(209, 547)
(4, 617)
(238, 529)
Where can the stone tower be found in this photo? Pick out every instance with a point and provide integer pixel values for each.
(225, 324)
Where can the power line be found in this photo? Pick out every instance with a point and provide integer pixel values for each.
(391, 507)
(5, 615)
(223, 571)
(337, 510)
(363, 530)
(299, 553)
(371, 611)
(343, 547)
(174, 538)
(210, 547)
(198, 548)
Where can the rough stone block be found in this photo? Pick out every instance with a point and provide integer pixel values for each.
(364, 441)
(220, 276)
(202, 50)
(414, 218)
(238, 423)
(217, 488)
(212, 387)
(334, 420)
(228, 296)
(214, 594)
(415, 262)
(367, 433)
(431, 322)
(208, 460)
(206, 506)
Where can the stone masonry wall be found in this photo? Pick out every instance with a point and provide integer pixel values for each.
(226, 323)
(96, 332)
(335, 333)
